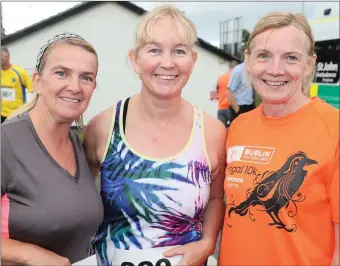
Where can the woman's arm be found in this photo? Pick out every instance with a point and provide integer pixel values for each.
(95, 139)
(16, 252)
(232, 101)
(336, 257)
(216, 146)
(90, 148)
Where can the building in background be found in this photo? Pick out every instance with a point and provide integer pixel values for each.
(325, 27)
(110, 28)
(1, 27)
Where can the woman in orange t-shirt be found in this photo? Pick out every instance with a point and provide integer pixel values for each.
(282, 179)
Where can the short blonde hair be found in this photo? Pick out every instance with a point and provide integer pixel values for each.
(276, 20)
(186, 27)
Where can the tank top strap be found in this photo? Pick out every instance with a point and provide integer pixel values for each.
(198, 118)
(119, 107)
(114, 135)
(198, 143)
(198, 127)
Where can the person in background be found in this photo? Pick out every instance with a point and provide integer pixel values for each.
(160, 157)
(282, 181)
(50, 206)
(15, 85)
(223, 113)
(241, 95)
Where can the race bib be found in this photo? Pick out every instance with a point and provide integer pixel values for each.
(136, 257)
(8, 94)
(87, 262)
(144, 257)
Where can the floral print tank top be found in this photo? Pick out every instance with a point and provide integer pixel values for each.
(149, 202)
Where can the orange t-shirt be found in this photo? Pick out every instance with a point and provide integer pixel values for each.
(282, 188)
(222, 84)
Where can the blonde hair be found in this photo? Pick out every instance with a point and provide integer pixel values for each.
(186, 27)
(31, 104)
(276, 20)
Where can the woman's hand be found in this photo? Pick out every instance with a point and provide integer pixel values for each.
(48, 258)
(194, 253)
(16, 252)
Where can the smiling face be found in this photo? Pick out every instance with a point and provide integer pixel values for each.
(278, 63)
(165, 63)
(67, 81)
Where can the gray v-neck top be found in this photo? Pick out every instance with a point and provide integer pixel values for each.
(42, 203)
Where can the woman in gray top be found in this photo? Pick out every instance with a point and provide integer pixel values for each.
(50, 205)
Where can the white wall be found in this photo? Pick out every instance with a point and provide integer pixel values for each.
(110, 28)
(326, 27)
(204, 79)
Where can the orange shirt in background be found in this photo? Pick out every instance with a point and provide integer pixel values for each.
(282, 188)
(222, 84)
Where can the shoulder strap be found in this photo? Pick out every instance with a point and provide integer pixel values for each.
(125, 108)
(198, 117)
(116, 128)
(199, 137)
(114, 132)
(23, 88)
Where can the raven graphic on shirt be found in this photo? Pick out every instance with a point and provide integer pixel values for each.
(276, 190)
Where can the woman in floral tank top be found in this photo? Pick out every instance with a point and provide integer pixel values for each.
(161, 159)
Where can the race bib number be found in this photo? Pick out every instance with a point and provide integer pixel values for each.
(160, 262)
(136, 257)
(144, 257)
(8, 94)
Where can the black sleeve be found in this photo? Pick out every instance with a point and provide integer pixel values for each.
(7, 164)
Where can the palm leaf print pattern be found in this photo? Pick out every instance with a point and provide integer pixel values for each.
(136, 191)
(181, 228)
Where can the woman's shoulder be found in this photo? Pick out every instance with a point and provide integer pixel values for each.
(245, 119)
(326, 116)
(214, 130)
(97, 130)
(103, 118)
(213, 123)
(15, 127)
(325, 110)
(210, 124)
(99, 123)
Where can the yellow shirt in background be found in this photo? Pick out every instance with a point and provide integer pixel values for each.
(13, 91)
